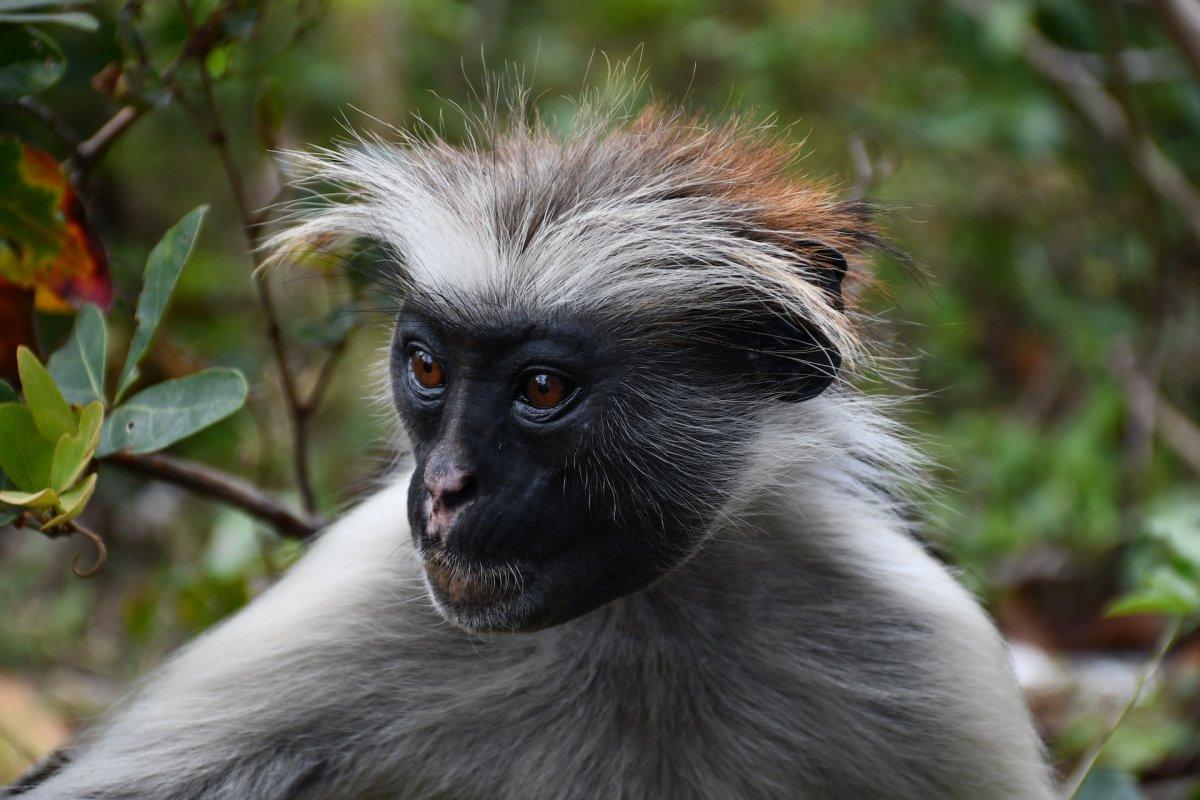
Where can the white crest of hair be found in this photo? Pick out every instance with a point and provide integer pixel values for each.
(605, 215)
(810, 648)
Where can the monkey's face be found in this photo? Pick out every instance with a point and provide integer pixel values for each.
(559, 466)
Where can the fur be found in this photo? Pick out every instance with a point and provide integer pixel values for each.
(809, 648)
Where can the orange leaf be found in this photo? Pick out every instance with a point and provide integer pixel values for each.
(46, 243)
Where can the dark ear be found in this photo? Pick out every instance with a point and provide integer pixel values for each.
(794, 361)
(826, 268)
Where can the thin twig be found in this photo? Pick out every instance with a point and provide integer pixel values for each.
(251, 223)
(229, 489)
(101, 550)
(94, 147)
(1165, 642)
(1182, 18)
(1110, 14)
(320, 387)
(1172, 426)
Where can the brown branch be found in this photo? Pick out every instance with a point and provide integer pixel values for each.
(94, 147)
(229, 489)
(88, 152)
(1159, 173)
(1182, 18)
(1171, 425)
(320, 387)
(251, 222)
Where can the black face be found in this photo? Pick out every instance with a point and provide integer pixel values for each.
(559, 467)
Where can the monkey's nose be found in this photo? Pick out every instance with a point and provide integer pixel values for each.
(451, 489)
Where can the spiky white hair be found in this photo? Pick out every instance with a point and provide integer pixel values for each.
(658, 214)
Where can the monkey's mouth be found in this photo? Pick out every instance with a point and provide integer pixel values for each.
(470, 588)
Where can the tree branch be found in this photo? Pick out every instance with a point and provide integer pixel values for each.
(1183, 24)
(1166, 641)
(298, 411)
(1172, 426)
(94, 147)
(221, 486)
(1088, 95)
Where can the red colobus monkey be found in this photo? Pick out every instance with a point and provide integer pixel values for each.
(650, 542)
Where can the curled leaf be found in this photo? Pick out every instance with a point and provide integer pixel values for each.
(71, 504)
(46, 498)
(72, 453)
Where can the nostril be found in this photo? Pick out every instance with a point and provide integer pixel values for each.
(452, 488)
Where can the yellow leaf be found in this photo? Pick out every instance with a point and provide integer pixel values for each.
(72, 503)
(46, 498)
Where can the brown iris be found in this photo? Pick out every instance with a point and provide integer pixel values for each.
(427, 371)
(544, 390)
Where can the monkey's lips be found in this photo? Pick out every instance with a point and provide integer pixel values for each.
(471, 588)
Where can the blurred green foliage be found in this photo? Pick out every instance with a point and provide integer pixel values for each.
(1054, 284)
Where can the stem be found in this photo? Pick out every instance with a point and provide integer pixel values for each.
(93, 149)
(322, 383)
(101, 550)
(221, 486)
(1183, 24)
(297, 410)
(1166, 641)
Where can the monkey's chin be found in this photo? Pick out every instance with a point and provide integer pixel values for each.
(483, 599)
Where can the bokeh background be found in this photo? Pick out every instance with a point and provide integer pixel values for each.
(1047, 329)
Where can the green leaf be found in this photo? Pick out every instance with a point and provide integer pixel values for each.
(51, 413)
(72, 503)
(167, 412)
(31, 62)
(72, 19)
(45, 498)
(7, 393)
(78, 368)
(162, 272)
(72, 453)
(25, 455)
(1166, 592)
(1177, 524)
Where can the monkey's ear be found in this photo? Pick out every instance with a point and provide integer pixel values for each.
(827, 268)
(794, 361)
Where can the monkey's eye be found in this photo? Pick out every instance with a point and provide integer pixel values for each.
(546, 390)
(425, 370)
